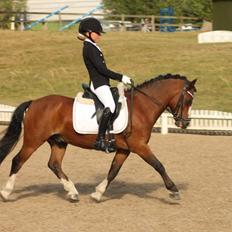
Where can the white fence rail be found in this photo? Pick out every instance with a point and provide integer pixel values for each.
(201, 120)
(6, 113)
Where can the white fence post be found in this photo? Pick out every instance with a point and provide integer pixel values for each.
(12, 24)
(164, 123)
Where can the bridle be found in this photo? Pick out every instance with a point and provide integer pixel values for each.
(178, 108)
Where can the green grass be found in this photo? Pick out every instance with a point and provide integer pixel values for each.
(38, 63)
(51, 26)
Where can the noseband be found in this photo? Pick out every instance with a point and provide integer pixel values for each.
(179, 107)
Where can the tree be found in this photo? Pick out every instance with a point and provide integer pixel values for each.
(7, 6)
(131, 6)
(194, 8)
(198, 8)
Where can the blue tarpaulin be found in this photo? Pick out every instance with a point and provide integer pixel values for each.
(167, 11)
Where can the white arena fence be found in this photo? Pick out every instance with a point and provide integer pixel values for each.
(203, 122)
(6, 114)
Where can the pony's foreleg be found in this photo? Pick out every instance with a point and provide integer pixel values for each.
(55, 163)
(146, 154)
(119, 158)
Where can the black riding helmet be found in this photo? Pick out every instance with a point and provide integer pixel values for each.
(90, 25)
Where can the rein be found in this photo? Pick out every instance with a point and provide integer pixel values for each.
(154, 101)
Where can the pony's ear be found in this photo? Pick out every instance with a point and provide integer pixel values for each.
(192, 85)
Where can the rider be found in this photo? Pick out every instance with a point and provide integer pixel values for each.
(90, 31)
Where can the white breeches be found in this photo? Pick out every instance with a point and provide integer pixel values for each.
(105, 96)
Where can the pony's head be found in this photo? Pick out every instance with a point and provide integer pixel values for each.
(172, 92)
(180, 105)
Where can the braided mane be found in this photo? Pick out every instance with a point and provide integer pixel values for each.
(160, 78)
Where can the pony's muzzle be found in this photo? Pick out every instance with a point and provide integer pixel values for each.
(182, 123)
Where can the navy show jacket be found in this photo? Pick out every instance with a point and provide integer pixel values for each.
(96, 66)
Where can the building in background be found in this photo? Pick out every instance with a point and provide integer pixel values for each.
(75, 6)
(222, 15)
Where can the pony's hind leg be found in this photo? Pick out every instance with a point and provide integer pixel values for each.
(119, 159)
(17, 163)
(58, 148)
(7, 190)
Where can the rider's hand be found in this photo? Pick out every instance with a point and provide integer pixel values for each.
(126, 80)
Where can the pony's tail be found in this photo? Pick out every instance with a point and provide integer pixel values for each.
(13, 131)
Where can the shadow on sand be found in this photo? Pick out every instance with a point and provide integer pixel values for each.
(117, 190)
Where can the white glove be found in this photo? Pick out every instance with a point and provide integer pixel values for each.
(126, 80)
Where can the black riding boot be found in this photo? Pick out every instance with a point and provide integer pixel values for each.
(101, 143)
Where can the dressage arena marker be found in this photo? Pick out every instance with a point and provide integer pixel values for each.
(215, 37)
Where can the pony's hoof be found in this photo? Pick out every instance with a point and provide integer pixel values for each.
(73, 198)
(4, 196)
(175, 196)
(96, 196)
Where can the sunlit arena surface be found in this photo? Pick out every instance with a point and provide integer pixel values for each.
(136, 200)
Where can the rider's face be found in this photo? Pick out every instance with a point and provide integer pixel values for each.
(95, 36)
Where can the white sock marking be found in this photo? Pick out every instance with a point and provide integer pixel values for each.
(7, 190)
(102, 186)
(100, 189)
(69, 186)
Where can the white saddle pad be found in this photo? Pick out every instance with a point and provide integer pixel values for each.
(83, 110)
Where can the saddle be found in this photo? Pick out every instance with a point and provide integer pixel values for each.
(87, 114)
(88, 94)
